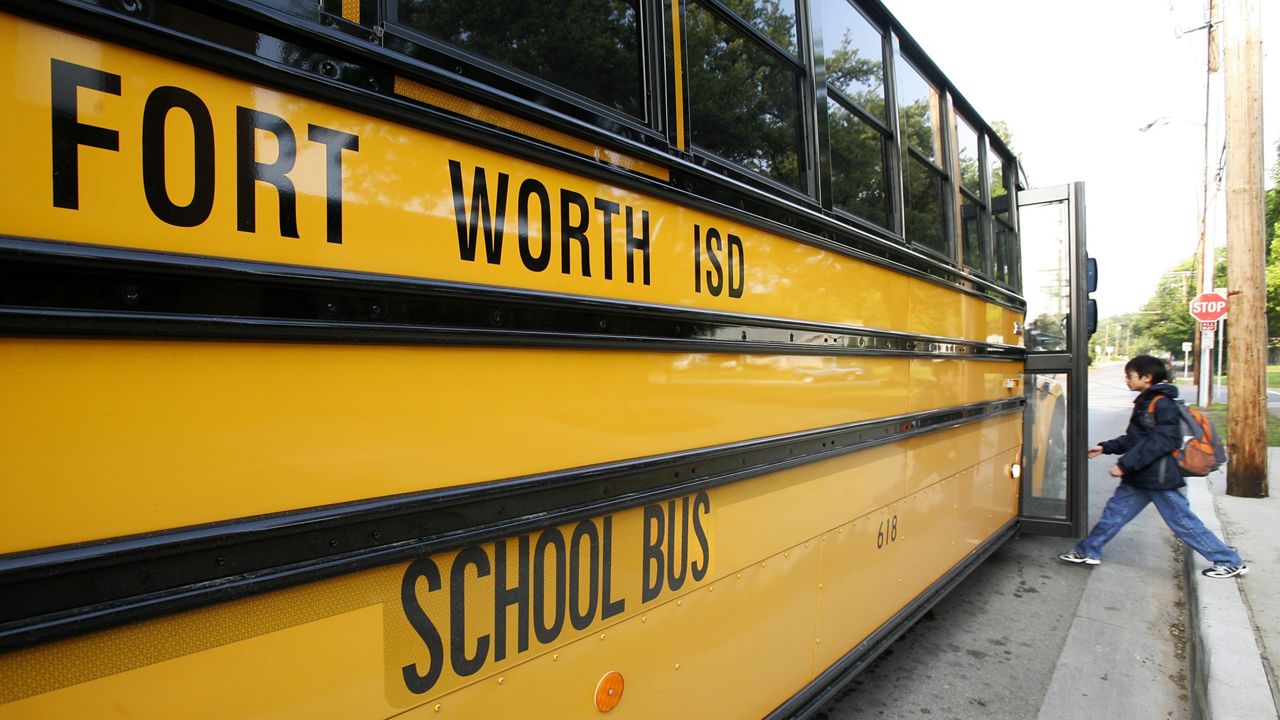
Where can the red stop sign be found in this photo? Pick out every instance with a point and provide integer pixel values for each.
(1208, 307)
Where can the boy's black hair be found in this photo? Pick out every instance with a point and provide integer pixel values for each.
(1148, 365)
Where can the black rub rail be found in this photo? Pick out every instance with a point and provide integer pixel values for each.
(58, 592)
(64, 289)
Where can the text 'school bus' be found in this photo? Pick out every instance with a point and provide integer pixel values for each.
(438, 358)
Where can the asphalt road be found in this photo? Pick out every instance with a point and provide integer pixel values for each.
(989, 649)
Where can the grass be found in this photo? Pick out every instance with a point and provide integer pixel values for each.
(1273, 376)
(1218, 414)
(1218, 411)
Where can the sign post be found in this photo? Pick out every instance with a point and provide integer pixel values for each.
(1208, 308)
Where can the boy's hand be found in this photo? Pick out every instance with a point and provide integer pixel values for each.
(1095, 451)
(1116, 471)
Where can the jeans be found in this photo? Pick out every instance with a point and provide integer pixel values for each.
(1128, 501)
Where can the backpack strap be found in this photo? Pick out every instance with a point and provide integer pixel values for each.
(1149, 418)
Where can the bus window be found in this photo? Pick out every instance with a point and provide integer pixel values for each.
(971, 215)
(919, 110)
(1048, 266)
(967, 152)
(858, 176)
(1002, 253)
(924, 182)
(776, 20)
(973, 209)
(551, 46)
(925, 199)
(858, 141)
(854, 52)
(1005, 251)
(1000, 178)
(744, 93)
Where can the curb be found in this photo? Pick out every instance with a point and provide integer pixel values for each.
(1228, 679)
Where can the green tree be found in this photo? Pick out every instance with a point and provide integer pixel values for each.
(1164, 319)
(1271, 227)
(1165, 322)
(1002, 131)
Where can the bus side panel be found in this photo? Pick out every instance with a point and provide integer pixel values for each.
(722, 601)
(170, 434)
(796, 567)
(938, 311)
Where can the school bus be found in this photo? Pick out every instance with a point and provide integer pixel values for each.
(420, 358)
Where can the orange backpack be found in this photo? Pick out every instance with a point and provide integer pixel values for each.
(1201, 452)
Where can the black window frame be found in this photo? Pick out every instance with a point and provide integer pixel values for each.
(985, 267)
(542, 94)
(908, 153)
(1008, 176)
(886, 127)
(803, 73)
(815, 98)
(984, 233)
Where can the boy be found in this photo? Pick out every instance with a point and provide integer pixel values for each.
(1149, 474)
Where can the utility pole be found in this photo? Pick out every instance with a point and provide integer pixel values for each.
(1246, 284)
(1204, 249)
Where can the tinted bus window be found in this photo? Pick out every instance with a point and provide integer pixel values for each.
(1002, 255)
(971, 214)
(744, 101)
(592, 49)
(919, 109)
(967, 152)
(1000, 179)
(974, 215)
(858, 178)
(854, 52)
(774, 18)
(923, 189)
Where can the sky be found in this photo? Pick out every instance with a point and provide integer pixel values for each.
(1082, 78)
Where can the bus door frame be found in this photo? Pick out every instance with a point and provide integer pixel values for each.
(1045, 366)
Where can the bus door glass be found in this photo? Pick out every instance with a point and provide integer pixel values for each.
(1054, 481)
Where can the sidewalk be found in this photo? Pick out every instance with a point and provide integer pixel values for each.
(1118, 661)
(1234, 626)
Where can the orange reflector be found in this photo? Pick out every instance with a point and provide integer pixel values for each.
(609, 691)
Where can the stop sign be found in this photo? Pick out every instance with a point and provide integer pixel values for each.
(1208, 307)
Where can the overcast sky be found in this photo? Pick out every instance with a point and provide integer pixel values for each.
(1079, 80)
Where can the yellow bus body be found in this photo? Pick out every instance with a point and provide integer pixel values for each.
(780, 575)
(795, 580)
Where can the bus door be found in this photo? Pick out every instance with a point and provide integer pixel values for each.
(1057, 278)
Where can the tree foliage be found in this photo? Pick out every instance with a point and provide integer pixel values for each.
(588, 46)
(1002, 131)
(1164, 322)
(1271, 227)
(744, 104)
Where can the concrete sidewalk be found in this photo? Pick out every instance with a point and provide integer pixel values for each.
(1125, 655)
(1235, 624)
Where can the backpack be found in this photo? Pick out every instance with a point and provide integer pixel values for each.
(1202, 451)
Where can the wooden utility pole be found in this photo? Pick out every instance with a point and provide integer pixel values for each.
(1246, 256)
(1204, 249)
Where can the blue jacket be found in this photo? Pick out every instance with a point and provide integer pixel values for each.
(1147, 447)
